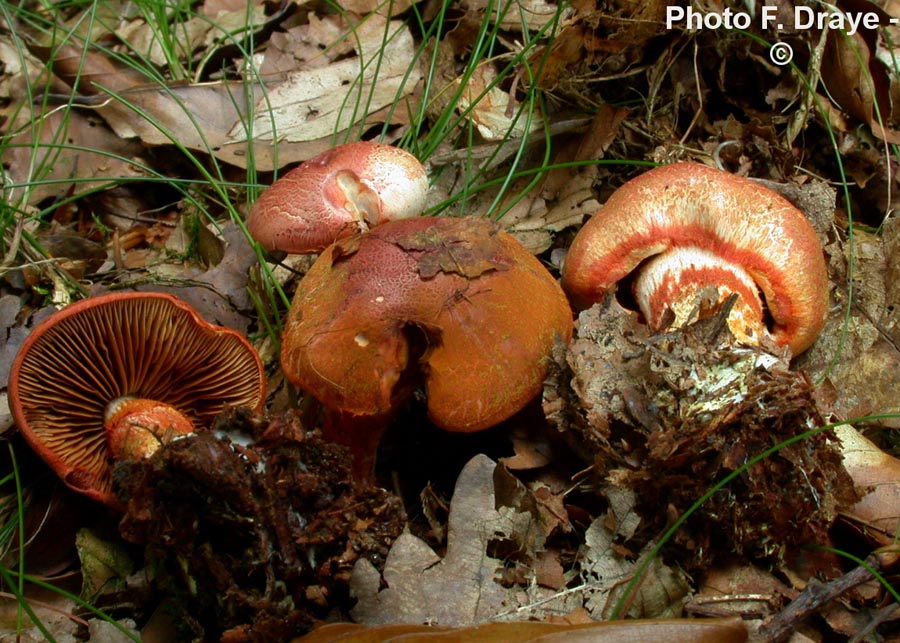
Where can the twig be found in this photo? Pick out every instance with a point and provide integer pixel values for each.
(816, 595)
(885, 613)
(13, 244)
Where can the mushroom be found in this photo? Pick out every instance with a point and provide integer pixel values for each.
(115, 376)
(684, 228)
(347, 189)
(453, 305)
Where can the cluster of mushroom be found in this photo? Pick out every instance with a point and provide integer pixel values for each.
(398, 302)
(454, 306)
(459, 308)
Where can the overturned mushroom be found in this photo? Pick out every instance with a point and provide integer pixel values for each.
(686, 227)
(342, 191)
(114, 376)
(455, 306)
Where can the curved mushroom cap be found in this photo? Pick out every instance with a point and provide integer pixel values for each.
(91, 354)
(342, 191)
(734, 218)
(456, 305)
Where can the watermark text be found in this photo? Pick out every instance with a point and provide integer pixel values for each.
(804, 18)
(770, 17)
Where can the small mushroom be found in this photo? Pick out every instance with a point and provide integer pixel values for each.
(115, 376)
(685, 228)
(455, 306)
(345, 190)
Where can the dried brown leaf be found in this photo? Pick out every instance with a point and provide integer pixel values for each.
(220, 293)
(530, 15)
(606, 573)
(877, 475)
(859, 82)
(463, 579)
(739, 589)
(492, 514)
(226, 119)
(315, 103)
(72, 153)
(536, 219)
(860, 352)
(489, 107)
(468, 254)
(532, 449)
(21, 70)
(365, 7)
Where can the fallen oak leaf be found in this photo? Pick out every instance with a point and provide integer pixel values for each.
(859, 349)
(197, 116)
(464, 579)
(198, 33)
(531, 15)
(469, 253)
(606, 572)
(491, 109)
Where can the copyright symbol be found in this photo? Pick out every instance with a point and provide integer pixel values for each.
(781, 53)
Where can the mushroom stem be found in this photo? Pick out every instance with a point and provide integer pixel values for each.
(361, 434)
(693, 283)
(347, 193)
(136, 427)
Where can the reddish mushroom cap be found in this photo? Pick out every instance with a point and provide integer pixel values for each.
(455, 305)
(689, 205)
(81, 361)
(342, 191)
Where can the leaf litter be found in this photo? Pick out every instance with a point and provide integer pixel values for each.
(633, 428)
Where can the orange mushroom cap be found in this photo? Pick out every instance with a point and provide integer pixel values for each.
(453, 304)
(75, 369)
(342, 191)
(759, 234)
